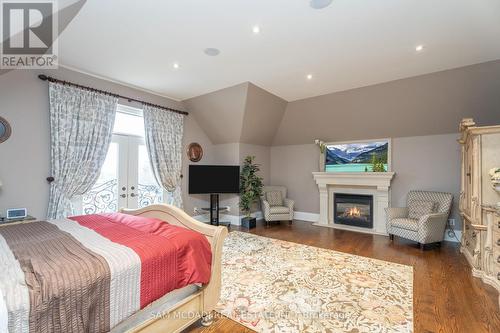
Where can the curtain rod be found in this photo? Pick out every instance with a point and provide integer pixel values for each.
(52, 79)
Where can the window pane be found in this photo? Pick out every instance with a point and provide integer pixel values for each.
(103, 197)
(130, 124)
(148, 189)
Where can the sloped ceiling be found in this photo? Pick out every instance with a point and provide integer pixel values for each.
(243, 113)
(423, 105)
(263, 114)
(220, 113)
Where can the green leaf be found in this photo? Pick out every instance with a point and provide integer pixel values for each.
(250, 184)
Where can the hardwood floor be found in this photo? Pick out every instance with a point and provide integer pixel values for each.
(446, 296)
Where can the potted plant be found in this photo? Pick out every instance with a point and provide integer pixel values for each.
(250, 190)
(377, 164)
(322, 149)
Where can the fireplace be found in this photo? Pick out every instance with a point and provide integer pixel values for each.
(353, 209)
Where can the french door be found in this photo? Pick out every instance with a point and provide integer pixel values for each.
(126, 179)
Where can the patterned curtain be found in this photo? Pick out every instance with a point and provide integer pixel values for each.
(81, 125)
(164, 131)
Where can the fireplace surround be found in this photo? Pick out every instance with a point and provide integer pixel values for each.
(375, 184)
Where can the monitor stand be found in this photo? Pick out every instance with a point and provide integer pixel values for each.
(214, 211)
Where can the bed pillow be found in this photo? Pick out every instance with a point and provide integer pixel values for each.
(419, 208)
(274, 198)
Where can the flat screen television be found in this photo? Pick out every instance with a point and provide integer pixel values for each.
(214, 179)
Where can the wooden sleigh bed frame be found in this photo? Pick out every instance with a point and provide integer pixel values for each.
(200, 304)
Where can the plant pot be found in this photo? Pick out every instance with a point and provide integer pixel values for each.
(249, 222)
(322, 162)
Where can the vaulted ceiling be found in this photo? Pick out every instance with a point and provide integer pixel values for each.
(349, 44)
(422, 105)
(243, 113)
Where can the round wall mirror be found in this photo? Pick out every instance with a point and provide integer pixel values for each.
(4, 130)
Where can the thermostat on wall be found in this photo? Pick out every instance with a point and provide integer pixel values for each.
(17, 213)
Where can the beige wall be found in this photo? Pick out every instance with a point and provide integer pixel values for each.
(25, 157)
(417, 112)
(426, 163)
(292, 166)
(241, 121)
(423, 105)
(421, 162)
(194, 133)
(262, 157)
(234, 154)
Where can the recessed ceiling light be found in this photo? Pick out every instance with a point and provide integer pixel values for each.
(212, 51)
(320, 4)
(419, 48)
(175, 65)
(309, 76)
(256, 29)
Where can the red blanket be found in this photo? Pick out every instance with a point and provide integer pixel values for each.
(172, 257)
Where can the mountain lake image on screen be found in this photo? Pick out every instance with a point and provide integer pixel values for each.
(356, 156)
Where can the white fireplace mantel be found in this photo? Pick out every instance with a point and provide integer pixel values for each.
(376, 184)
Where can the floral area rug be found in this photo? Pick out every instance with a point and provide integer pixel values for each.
(270, 285)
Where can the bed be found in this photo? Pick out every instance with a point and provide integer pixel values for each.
(126, 272)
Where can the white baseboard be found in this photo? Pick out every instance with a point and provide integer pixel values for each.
(305, 216)
(301, 216)
(313, 217)
(233, 219)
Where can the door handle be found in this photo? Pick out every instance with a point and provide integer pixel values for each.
(132, 195)
(123, 195)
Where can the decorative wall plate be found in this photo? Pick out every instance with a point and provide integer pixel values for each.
(195, 152)
(5, 130)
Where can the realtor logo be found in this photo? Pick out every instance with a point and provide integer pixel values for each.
(29, 30)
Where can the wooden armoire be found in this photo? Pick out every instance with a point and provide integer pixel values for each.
(479, 201)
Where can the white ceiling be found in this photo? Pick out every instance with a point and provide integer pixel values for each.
(352, 43)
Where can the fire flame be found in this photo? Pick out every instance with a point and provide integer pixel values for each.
(353, 212)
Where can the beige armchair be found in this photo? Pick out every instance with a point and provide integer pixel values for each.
(279, 210)
(423, 220)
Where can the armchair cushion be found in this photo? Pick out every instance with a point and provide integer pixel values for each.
(419, 208)
(396, 212)
(274, 198)
(279, 210)
(405, 223)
